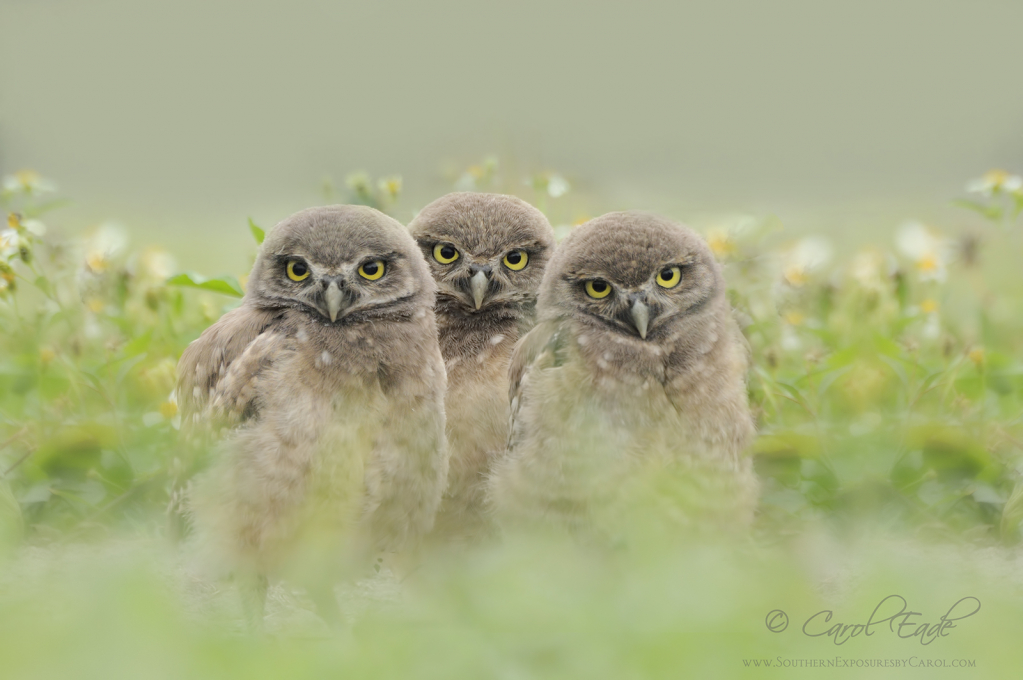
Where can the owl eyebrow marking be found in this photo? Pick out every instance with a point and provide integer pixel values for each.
(427, 240)
(388, 258)
(531, 246)
(683, 266)
(284, 258)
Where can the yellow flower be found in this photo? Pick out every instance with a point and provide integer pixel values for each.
(929, 306)
(928, 250)
(928, 263)
(803, 257)
(7, 275)
(977, 356)
(14, 220)
(95, 305)
(97, 262)
(168, 409)
(46, 355)
(794, 318)
(105, 243)
(391, 186)
(795, 275)
(721, 243)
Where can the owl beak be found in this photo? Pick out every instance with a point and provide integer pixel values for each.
(334, 298)
(478, 285)
(640, 317)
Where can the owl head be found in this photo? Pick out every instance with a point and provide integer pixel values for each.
(340, 264)
(487, 252)
(635, 275)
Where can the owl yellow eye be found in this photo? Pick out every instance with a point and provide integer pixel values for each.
(516, 260)
(298, 270)
(445, 253)
(372, 270)
(669, 277)
(598, 289)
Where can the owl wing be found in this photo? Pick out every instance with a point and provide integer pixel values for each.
(207, 360)
(233, 397)
(541, 348)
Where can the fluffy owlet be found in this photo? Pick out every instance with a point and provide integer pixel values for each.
(629, 394)
(330, 382)
(487, 253)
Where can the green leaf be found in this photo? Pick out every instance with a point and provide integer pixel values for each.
(227, 284)
(43, 284)
(138, 345)
(991, 212)
(257, 233)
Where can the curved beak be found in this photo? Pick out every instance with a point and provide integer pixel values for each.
(640, 317)
(478, 285)
(334, 298)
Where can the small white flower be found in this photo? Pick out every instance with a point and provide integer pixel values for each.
(28, 182)
(803, 257)
(10, 243)
(790, 338)
(561, 231)
(932, 327)
(725, 234)
(929, 250)
(995, 181)
(557, 186)
(466, 182)
(35, 227)
(157, 264)
(108, 241)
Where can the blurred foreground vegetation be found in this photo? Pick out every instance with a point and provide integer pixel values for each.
(888, 388)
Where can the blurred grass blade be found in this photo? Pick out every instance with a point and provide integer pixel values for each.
(1012, 516)
(991, 212)
(11, 523)
(257, 233)
(227, 284)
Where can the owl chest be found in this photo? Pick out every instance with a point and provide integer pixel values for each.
(326, 416)
(476, 402)
(628, 413)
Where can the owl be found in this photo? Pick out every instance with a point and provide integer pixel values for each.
(327, 386)
(487, 253)
(629, 394)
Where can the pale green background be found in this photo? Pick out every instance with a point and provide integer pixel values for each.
(183, 118)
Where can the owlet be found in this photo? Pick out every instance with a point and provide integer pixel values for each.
(330, 383)
(630, 393)
(487, 253)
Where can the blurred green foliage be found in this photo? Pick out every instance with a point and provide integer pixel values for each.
(887, 385)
